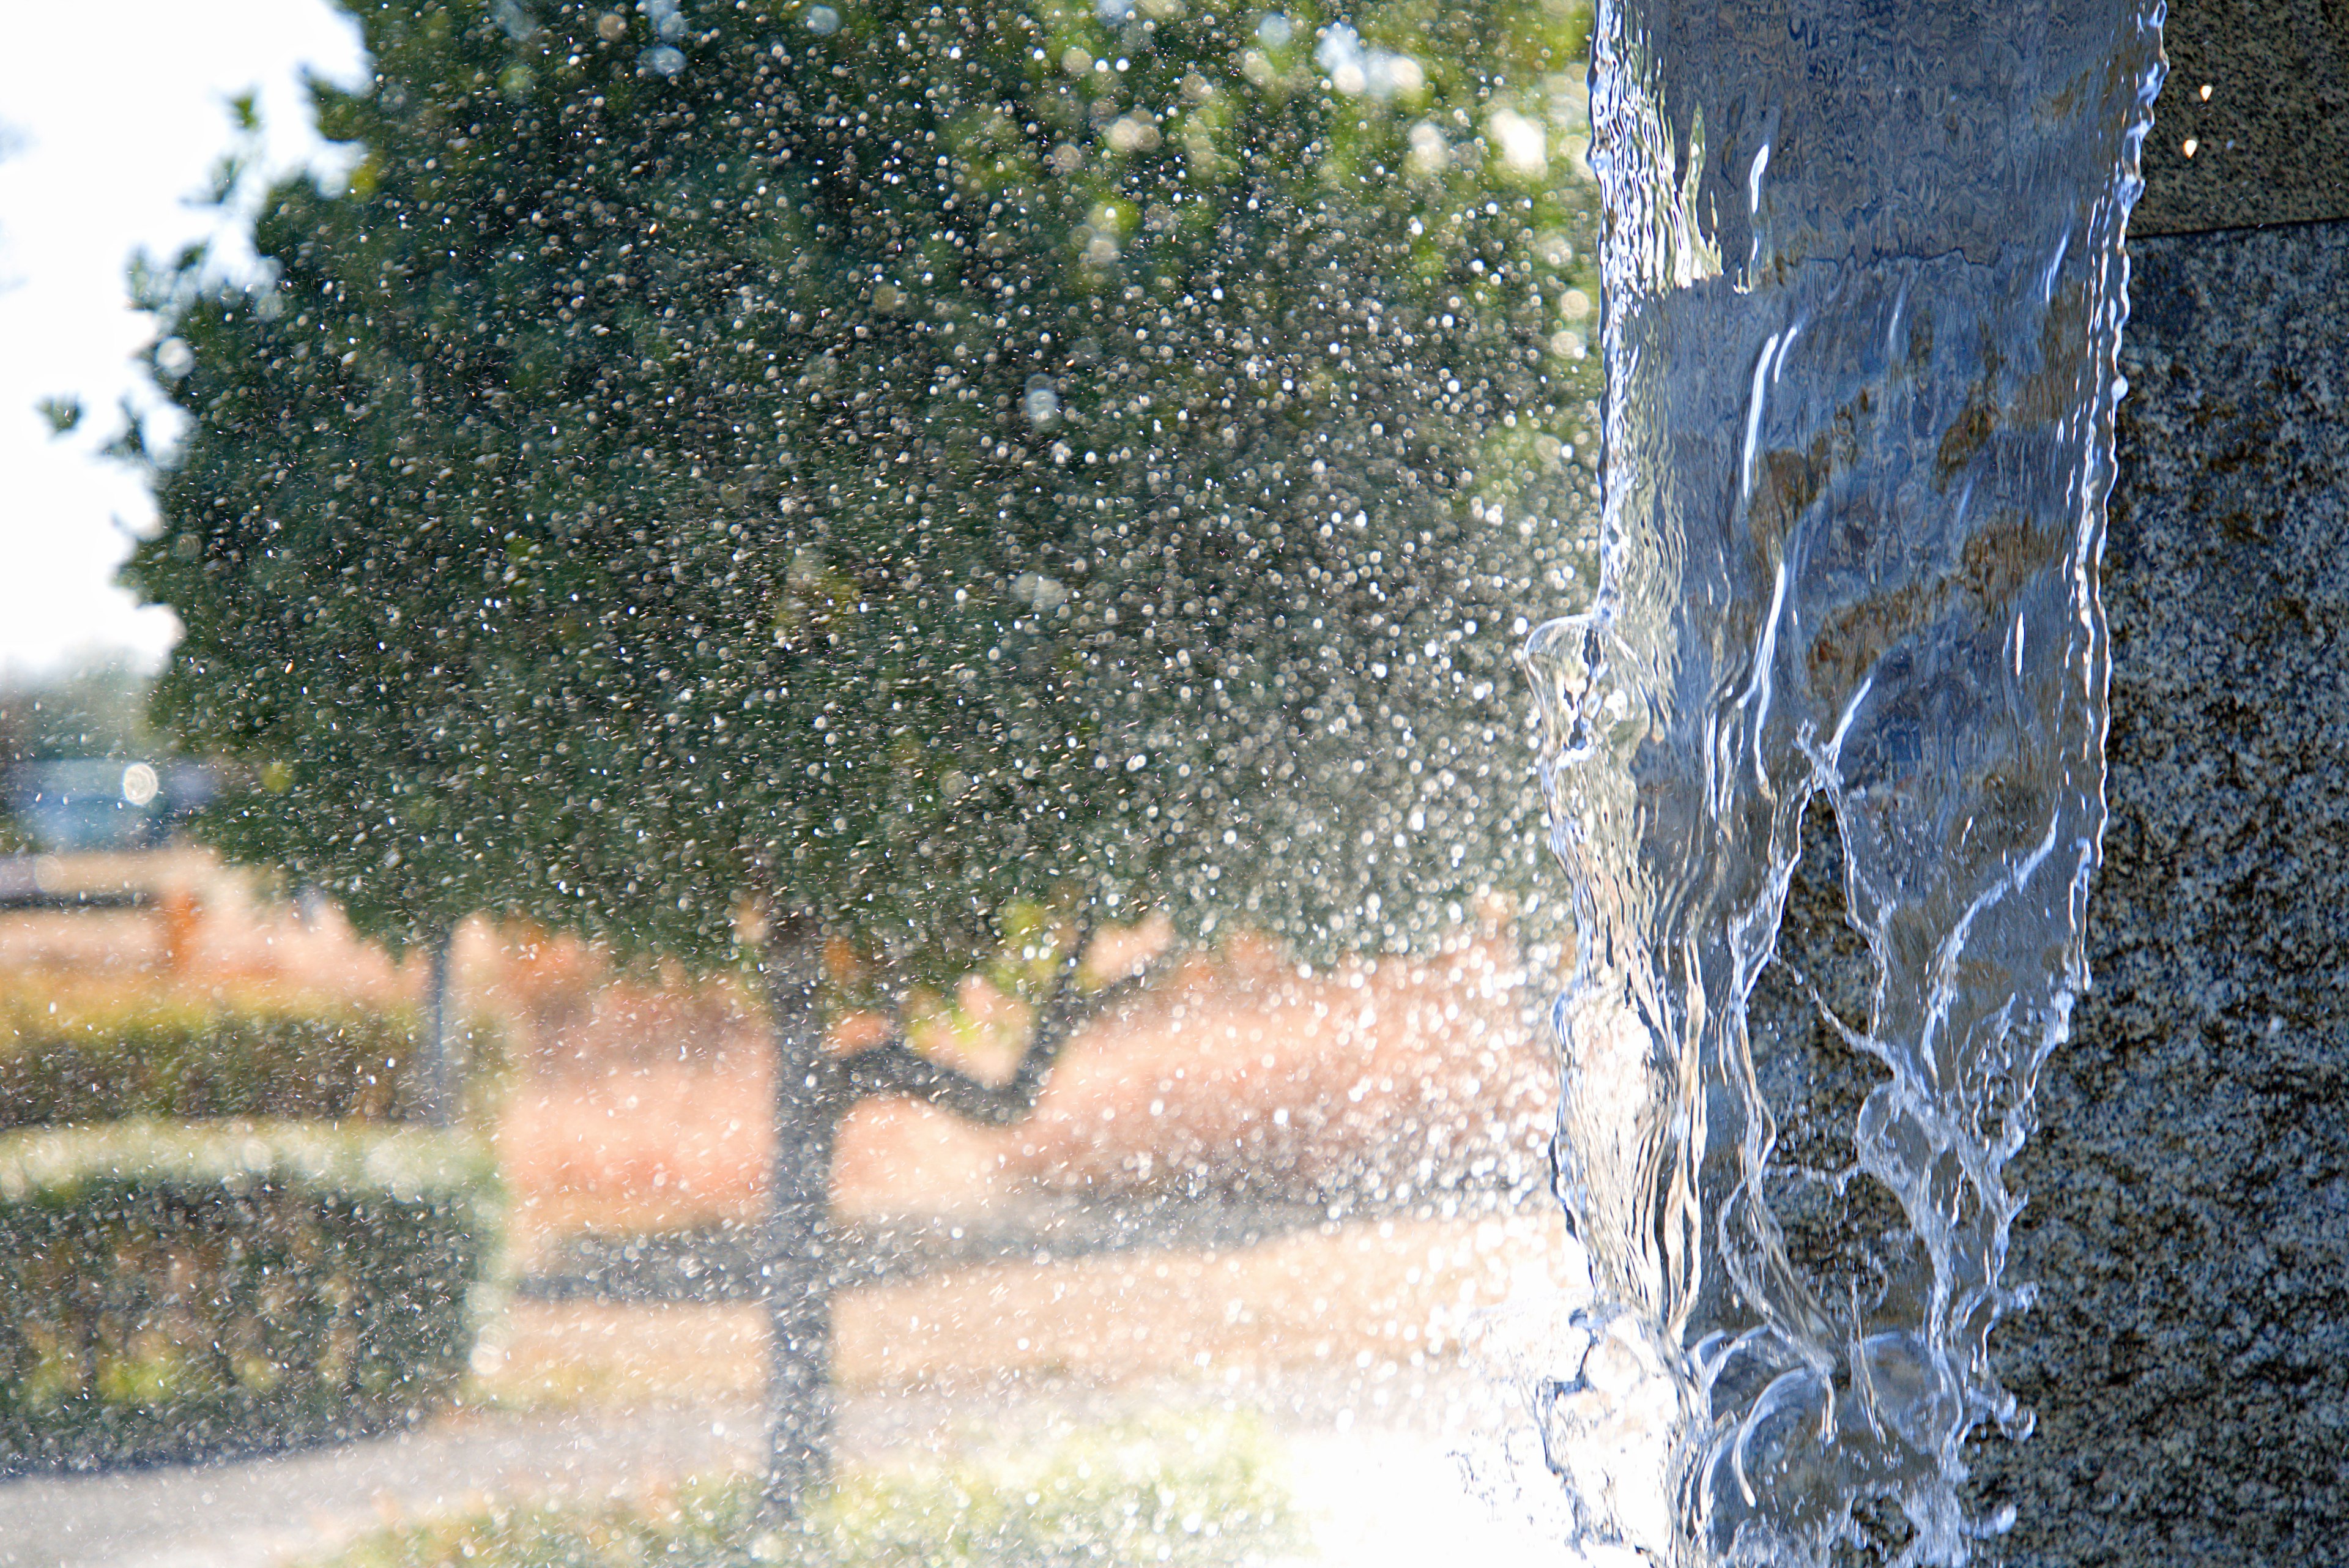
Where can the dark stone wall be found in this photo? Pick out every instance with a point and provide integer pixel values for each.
(2189, 1218)
(2188, 1223)
(2270, 144)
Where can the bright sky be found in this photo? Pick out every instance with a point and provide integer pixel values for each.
(115, 113)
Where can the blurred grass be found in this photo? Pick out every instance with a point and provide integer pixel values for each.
(1198, 1492)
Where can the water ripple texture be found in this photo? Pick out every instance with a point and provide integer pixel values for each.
(1865, 287)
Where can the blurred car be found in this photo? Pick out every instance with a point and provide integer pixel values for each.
(71, 805)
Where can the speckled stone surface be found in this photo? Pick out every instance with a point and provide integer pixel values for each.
(2188, 1218)
(2272, 142)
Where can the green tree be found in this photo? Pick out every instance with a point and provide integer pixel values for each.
(880, 469)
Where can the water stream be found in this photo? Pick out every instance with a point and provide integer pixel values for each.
(1865, 287)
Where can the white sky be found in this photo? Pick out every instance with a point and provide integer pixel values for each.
(117, 113)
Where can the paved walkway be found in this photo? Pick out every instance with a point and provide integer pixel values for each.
(1377, 1469)
(250, 1514)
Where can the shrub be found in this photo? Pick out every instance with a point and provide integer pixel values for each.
(181, 1291)
(79, 1062)
(1197, 1495)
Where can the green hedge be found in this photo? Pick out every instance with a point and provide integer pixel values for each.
(185, 1061)
(181, 1291)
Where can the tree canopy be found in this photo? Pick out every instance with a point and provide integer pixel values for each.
(901, 458)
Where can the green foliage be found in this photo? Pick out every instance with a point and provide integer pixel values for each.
(178, 1292)
(908, 458)
(61, 414)
(1197, 1496)
(77, 1061)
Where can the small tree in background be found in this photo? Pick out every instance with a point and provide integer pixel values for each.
(97, 708)
(872, 470)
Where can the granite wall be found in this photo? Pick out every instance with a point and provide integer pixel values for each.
(2188, 1226)
(2187, 1364)
(2254, 122)
(2188, 1221)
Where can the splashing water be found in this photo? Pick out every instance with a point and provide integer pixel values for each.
(1865, 289)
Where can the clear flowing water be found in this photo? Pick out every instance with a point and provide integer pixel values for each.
(1865, 287)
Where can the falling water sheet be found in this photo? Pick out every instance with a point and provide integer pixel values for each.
(1865, 287)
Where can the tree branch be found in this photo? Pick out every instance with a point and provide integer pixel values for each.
(896, 1068)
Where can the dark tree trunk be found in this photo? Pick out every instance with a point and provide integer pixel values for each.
(795, 1274)
(814, 1089)
(436, 1085)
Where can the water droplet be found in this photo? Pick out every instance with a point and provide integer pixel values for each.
(139, 783)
